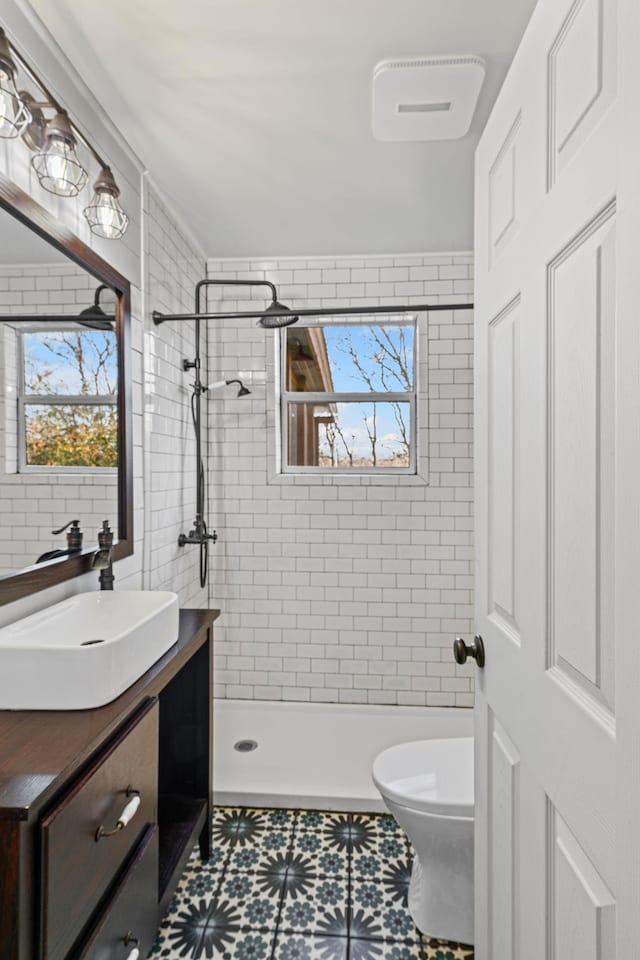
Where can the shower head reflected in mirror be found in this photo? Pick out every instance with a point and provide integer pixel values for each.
(271, 322)
(94, 316)
(242, 390)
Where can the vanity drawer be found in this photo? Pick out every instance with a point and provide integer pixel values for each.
(130, 920)
(78, 868)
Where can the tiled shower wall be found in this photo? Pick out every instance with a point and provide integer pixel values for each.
(342, 589)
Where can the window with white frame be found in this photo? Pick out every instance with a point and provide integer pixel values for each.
(67, 398)
(348, 398)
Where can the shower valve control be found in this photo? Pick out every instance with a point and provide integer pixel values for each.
(462, 650)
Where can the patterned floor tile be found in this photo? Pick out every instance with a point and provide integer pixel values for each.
(395, 878)
(327, 862)
(280, 819)
(385, 826)
(320, 909)
(350, 833)
(258, 907)
(377, 950)
(316, 819)
(221, 814)
(199, 928)
(240, 828)
(382, 922)
(266, 854)
(298, 885)
(331, 857)
(294, 947)
(445, 950)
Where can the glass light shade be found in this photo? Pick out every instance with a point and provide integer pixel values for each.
(57, 166)
(105, 216)
(14, 114)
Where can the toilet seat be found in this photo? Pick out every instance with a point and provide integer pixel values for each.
(432, 776)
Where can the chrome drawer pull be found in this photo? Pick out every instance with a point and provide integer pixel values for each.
(125, 817)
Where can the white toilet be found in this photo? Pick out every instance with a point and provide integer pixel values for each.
(428, 787)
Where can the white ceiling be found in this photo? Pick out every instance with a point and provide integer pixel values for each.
(254, 115)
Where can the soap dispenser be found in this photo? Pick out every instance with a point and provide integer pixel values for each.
(74, 535)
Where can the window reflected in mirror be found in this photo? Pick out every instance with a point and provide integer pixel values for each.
(59, 431)
(67, 405)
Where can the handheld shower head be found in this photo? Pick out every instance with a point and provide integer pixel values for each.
(270, 322)
(242, 390)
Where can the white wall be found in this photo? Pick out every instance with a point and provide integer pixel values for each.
(162, 261)
(342, 588)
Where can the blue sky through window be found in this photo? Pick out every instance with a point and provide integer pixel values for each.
(367, 358)
(70, 363)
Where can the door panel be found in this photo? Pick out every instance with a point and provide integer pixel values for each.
(581, 917)
(504, 842)
(581, 71)
(581, 322)
(545, 403)
(504, 461)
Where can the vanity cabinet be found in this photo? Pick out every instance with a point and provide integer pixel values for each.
(99, 810)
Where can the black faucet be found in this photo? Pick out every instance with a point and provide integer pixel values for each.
(103, 557)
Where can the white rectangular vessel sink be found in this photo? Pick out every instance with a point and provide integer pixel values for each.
(85, 651)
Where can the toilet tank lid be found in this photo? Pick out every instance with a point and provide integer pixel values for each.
(434, 776)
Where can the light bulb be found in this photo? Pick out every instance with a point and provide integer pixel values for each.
(105, 216)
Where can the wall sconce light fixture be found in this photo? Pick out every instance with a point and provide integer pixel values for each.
(53, 143)
(14, 113)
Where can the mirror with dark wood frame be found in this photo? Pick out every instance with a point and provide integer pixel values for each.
(65, 410)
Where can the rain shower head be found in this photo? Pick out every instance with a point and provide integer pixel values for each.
(270, 322)
(94, 316)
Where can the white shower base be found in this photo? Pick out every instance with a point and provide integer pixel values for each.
(316, 756)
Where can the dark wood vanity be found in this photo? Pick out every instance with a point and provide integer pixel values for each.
(68, 889)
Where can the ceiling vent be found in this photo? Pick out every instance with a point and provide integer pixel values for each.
(426, 99)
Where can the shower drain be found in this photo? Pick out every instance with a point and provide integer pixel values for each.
(245, 746)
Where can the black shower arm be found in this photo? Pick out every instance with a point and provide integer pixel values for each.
(232, 283)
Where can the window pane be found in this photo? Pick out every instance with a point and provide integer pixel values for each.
(349, 434)
(71, 363)
(67, 435)
(354, 358)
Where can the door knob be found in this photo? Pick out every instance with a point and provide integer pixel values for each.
(462, 650)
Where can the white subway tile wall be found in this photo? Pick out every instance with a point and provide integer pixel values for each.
(173, 267)
(342, 589)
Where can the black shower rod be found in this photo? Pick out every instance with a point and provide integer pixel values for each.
(159, 317)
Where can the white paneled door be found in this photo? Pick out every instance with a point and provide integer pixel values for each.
(548, 367)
